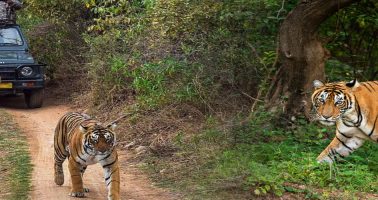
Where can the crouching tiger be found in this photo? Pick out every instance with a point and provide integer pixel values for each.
(86, 141)
(353, 107)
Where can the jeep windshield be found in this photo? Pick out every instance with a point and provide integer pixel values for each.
(10, 37)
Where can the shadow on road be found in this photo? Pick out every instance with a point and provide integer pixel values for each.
(14, 102)
(17, 102)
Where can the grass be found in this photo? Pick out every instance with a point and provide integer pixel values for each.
(256, 160)
(15, 163)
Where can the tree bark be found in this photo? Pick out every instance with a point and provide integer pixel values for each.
(301, 55)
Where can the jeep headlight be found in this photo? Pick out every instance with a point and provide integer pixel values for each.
(26, 71)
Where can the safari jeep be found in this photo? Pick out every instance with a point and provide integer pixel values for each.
(19, 73)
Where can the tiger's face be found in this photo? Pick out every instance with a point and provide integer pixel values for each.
(330, 101)
(98, 139)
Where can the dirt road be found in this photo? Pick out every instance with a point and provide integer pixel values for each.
(39, 125)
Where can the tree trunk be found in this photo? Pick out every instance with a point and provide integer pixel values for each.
(301, 55)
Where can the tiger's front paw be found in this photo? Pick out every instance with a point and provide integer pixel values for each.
(76, 194)
(59, 179)
(322, 159)
(113, 197)
(58, 174)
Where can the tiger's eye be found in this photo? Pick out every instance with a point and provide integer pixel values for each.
(94, 138)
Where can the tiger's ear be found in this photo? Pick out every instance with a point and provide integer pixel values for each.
(352, 84)
(112, 126)
(317, 84)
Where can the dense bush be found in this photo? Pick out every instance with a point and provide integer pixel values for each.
(229, 45)
(226, 47)
(54, 30)
(350, 35)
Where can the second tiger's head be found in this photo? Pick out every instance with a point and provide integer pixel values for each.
(331, 101)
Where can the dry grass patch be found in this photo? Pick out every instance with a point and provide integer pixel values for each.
(15, 164)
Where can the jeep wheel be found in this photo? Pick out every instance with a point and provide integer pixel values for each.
(34, 99)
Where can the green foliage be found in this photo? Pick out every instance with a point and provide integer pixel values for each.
(112, 15)
(338, 71)
(271, 164)
(57, 11)
(55, 48)
(351, 38)
(257, 131)
(53, 31)
(183, 19)
(232, 41)
(156, 83)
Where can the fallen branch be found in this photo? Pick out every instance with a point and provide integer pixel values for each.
(118, 119)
